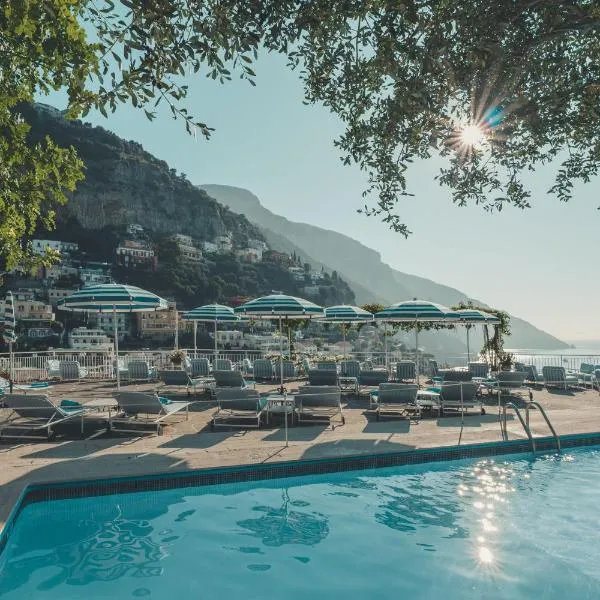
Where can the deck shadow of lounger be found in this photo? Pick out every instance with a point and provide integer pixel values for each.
(352, 447)
(77, 448)
(389, 426)
(471, 420)
(303, 433)
(206, 439)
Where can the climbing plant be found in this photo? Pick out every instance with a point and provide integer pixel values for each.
(493, 346)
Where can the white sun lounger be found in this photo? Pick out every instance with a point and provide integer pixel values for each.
(144, 408)
(34, 414)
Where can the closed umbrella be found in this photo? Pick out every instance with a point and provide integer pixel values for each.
(279, 306)
(9, 334)
(346, 314)
(417, 312)
(470, 317)
(115, 298)
(210, 313)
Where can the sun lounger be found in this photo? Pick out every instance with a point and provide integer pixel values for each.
(223, 364)
(585, 374)
(120, 365)
(238, 404)
(53, 368)
(289, 369)
(557, 377)
(179, 378)
(34, 414)
(263, 370)
(479, 370)
(229, 379)
(145, 409)
(372, 379)
(459, 395)
(350, 368)
(396, 399)
(71, 370)
(199, 367)
(453, 375)
(140, 370)
(406, 370)
(319, 404)
(532, 376)
(509, 383)
(318, 377)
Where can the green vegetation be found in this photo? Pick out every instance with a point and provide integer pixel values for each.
(405, 78)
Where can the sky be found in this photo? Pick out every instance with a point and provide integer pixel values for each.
(539, 264)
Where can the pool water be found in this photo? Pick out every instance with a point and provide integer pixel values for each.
(516, 528)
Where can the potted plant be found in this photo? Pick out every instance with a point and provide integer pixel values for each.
(177, 357)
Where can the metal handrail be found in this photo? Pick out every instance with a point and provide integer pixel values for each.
(525, 426)
(541, 409)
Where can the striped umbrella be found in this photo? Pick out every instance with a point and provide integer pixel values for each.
(417, 311)
(115, 298)
(8, 332)
(470, 317)
(280, 306)
(210, 313)
(346, 314)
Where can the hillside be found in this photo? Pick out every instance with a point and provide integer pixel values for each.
(125, 185)
(351, 258)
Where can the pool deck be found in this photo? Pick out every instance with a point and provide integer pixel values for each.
(189, 445)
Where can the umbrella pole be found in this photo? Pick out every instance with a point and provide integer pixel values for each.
(11, 366)
(116, 332)
(281, 352)
(344, 334)
(215, 361)
(176, 328)
(195, 340)
(385, 347)
(417, 350)
(468, 347)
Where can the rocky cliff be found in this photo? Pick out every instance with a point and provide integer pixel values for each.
(125, 184)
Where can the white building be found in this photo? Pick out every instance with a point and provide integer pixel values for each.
(187, 248)
(311, 290)
(82, 338)
(106, 323)
(56, 271)
(297, 273)
(230, 338)
(134, 254)
(94, 276)
(56, 294)
(39, 246)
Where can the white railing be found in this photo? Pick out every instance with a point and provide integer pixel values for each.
(39, 366)
(571, 362)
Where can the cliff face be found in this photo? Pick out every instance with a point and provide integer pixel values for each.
(125, 184)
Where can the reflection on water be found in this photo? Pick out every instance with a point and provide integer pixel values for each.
(105, 552)
(282, 525)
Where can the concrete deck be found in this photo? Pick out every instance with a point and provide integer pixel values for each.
(187, 445)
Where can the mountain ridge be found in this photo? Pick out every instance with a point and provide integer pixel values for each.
(350, 257)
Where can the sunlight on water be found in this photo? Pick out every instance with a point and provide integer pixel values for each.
(516, 529)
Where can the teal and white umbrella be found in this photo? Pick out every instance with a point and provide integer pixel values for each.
(345, 314)
(8, 332)
(279, 306)
(417, 312)
(115, 298)
(470, 317)
(210, 313)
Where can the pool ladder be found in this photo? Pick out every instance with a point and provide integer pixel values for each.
(525, 422)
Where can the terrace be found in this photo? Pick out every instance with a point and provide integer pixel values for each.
(190, 444)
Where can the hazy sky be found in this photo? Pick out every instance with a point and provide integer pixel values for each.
(539, 264)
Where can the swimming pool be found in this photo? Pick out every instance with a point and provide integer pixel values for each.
(503, 528)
